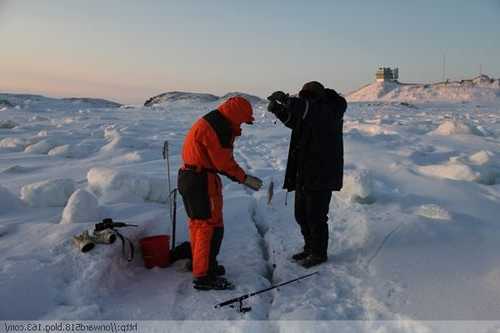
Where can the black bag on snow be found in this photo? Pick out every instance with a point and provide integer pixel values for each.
(193, 187)
(181, 251)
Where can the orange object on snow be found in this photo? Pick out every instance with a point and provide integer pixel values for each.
(207, 151)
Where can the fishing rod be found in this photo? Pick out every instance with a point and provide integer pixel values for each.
(172, 194)
(240, 299)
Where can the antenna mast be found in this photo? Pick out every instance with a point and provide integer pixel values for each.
(444, 66)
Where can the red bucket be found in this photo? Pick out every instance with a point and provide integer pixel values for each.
(155, 251)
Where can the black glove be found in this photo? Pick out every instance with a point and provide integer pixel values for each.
(279, 96)
(277, 101)
(274, 107)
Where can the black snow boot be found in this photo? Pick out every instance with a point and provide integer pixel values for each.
(212, 283)
(313, 260)
(301, 255)
(220, 270)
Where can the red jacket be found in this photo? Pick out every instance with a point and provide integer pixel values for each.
(209, 142)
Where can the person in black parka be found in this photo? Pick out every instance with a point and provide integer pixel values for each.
(315, 164)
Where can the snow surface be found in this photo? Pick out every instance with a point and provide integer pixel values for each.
(413, 235)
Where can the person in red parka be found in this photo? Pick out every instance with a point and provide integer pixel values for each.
(207, 152)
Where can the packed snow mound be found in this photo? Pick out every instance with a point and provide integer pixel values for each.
(82, 207)
(456, 127)
(42, 147)
(480, 88)
(134, 156)
(49, 193)
(8, 124)
(368, 129)
(451, 170)
(119, 140)
(358, 186)
(123, 142)
(479, 167)
(104, 180)
(114, 185)
(180, 96)
(13, 144)
(64, 150)
(8, 201)
(434, 212)
(72, 151)
(482, 157)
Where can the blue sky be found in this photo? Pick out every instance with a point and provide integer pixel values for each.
(130, 50)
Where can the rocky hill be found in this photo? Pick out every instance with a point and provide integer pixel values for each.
(39, 102)
(181, 97)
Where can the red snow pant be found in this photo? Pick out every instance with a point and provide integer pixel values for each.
(206, 234)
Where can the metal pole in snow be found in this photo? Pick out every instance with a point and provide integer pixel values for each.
(166, 157)
(172, 195)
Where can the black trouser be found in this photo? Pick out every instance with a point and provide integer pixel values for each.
(311, 213)
(215, 249)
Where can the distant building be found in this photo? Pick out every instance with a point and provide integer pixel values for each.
(387, 74)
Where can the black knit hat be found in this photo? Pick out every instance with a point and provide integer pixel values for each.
(312, 89)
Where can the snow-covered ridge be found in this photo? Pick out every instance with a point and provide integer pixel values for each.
(480, 88)
(176, 97)
(95, 102)
(43, 102)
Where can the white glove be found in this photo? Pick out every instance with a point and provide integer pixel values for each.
(253, 182)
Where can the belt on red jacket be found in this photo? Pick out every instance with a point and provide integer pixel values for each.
(198, 168)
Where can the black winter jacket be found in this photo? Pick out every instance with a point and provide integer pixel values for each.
(316, 153)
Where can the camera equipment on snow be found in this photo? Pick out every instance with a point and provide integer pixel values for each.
(105, 233)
